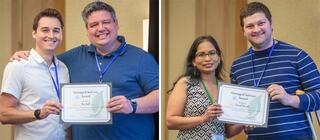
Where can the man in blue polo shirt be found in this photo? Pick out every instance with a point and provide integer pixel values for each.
(133, 73)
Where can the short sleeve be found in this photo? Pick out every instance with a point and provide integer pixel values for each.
(12, 81)
(148, 73)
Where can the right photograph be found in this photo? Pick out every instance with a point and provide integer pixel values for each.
(240, 70)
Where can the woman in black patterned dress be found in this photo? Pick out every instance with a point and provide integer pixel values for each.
(192, 107)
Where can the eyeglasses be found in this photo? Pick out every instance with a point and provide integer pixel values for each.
(202, 55)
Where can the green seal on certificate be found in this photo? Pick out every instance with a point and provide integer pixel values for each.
(243, 105)
(85, 103)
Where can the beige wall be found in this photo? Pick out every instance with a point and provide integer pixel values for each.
(5, 51)
(130, 14)
(180, 32)
(163, 76)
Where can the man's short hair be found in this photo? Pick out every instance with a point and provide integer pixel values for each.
(252, 8)
(49, 12)
(97, 6)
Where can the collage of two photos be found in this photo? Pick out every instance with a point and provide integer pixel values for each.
(159, 70)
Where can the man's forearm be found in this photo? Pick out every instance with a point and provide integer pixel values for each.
(14, 116)
(148, 103)
(294, 101)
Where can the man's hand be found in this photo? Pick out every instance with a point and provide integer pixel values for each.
(20, 54)
(119, 104)
(277, 92)
(50, 107)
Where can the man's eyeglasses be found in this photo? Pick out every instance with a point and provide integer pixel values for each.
(202, 55)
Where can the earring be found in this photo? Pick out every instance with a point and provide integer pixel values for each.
(194, 71)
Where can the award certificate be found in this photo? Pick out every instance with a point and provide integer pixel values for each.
(243, 105)
(85, 103)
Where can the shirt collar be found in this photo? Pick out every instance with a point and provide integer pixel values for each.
(37, 57)
(119, 51)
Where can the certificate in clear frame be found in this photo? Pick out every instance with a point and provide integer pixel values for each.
(243, 105)
(85, 103)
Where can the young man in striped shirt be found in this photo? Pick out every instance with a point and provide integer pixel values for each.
(280, 68)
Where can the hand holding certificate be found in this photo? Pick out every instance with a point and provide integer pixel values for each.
(85, 103)
(243, 105)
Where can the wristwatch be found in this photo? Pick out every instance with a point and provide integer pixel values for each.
(37, 114)
(134, 106)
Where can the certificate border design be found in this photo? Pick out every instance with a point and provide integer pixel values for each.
(264, 123)
(107, 120)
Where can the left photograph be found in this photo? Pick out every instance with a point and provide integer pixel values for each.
(78, 70)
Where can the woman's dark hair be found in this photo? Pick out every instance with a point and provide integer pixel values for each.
(192, 71)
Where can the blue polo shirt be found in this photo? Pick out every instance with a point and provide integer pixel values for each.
(133, 74)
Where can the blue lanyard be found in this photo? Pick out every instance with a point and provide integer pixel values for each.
(256, 83)
(55, 83)
(101, 73)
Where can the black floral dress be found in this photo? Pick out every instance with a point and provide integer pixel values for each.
(196, 105)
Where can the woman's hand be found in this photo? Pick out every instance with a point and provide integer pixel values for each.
(212, 112)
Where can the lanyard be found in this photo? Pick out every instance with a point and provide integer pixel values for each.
(55, 83)
(256, 83)
(101, 73)
(207, 91)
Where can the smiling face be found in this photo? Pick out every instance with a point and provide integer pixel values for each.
(48, 34)
(102, 29)
(207, 58)
(258, 30)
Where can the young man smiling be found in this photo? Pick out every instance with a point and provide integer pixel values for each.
(30, 89)
(280, 68)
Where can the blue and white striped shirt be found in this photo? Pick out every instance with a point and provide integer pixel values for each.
(291, 68)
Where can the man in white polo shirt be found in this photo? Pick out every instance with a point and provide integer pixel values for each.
(30, 88)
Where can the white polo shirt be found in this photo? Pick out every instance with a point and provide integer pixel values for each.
(30, 82)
